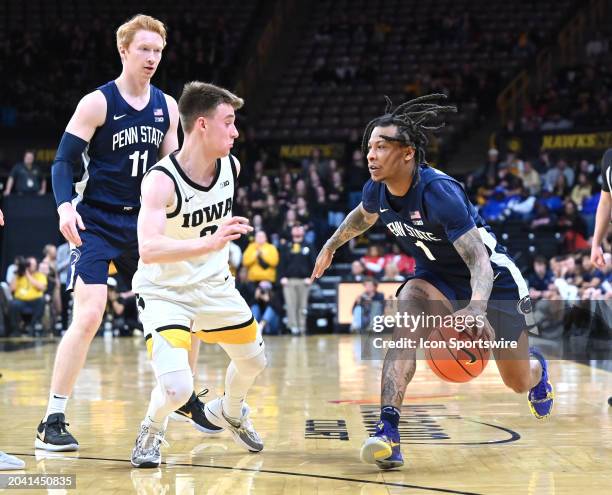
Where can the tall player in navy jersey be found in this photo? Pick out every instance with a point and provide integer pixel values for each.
(457, 259)
(117, 132)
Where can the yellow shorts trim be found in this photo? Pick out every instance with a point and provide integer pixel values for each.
(176, 335)
(244, 333)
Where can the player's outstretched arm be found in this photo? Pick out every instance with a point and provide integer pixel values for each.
(155, 247)
(602, 219)
(356, 223)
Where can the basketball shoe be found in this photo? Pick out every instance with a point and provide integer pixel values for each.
(52, 435)
(147, 450)
(383, 448)
(9, 462)
(541, 397)
(241, 428)
(193, 412)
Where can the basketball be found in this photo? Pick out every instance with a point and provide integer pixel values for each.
(455, 357)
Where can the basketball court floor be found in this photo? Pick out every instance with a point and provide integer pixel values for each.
(313, 407)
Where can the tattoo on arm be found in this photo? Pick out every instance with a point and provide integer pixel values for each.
(473, 251)
(356, 222)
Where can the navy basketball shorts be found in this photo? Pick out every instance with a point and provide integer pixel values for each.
(108, 236)
(509, 309)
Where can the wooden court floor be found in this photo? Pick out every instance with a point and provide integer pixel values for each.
(312, 407)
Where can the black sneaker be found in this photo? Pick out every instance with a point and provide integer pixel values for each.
(193, 412)
(52, 435)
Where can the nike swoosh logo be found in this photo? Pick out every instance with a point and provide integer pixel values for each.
(382, 211)
(496, 275)
(117, 117)
(189, 198)
(472, 357)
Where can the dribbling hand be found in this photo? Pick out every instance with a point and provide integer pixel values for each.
(229, 231)
(323, 261)
(597, 257)
(69, 220)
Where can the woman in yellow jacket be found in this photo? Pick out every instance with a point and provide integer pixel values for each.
(261, 259)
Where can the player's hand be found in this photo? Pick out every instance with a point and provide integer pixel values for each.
(229, 231)
(597, 257)
(475, 321)
(323, 261)
(68, 222)
(1, 218)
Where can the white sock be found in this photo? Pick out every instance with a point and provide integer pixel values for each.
(155, 426)
(57, 404)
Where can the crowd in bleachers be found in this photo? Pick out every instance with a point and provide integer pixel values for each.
(76, 51)
(578, 96)
(352, 53)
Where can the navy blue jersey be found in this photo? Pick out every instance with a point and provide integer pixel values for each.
(123, 149)
(435, 212)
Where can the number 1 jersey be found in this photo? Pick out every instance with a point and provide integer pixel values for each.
(434, 213)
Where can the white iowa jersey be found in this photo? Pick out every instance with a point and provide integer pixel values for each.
(197, 211)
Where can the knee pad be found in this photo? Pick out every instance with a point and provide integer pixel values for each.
(177, 386)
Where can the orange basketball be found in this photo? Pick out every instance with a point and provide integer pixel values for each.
(455, 356)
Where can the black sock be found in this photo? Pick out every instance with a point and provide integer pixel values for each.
(390, 414)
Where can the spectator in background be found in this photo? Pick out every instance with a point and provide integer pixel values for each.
(550, 178)
(369, 304)
(121, 311)
(540, 280)
(531, 178)
(28, 288)
(574, 227)
(374, 261)
(336, 200)
(521, 205)
(543, 219)
(297, 261)
(53, 286)
(405, 264)
(26, 177)
(391, 273)
(357, 272)
(261, 258)
(582, 189)
(561, 189)
(553, 203)
(264, 310)
(493, 209)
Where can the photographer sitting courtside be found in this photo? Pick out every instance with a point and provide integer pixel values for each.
(28, 288)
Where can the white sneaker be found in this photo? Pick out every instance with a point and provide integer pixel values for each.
(241, 428)
(9, 462)
(147, 450)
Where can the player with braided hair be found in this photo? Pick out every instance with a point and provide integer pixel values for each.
(460, 267)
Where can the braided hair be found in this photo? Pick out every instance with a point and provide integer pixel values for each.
(412, 118)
